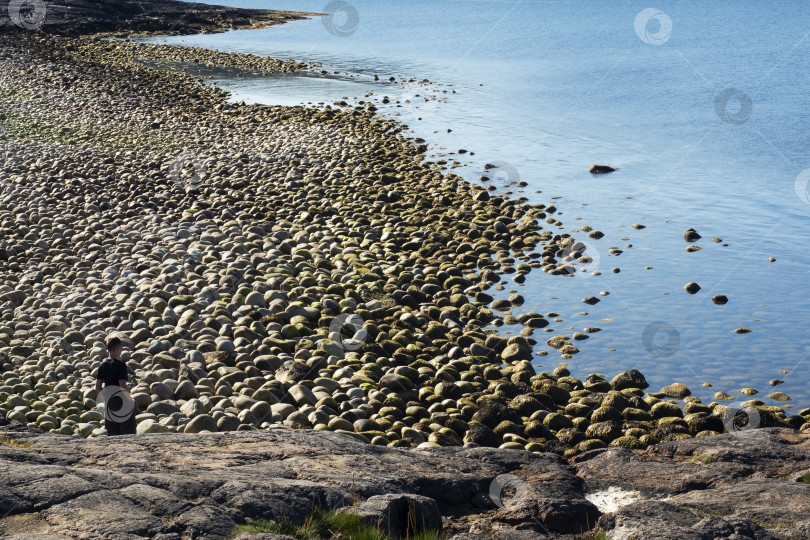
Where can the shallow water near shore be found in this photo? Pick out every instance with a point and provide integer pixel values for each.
(547, 89)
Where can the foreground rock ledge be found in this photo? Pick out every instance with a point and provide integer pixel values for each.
(200, 485)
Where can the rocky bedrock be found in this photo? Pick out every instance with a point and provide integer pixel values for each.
(202, 485)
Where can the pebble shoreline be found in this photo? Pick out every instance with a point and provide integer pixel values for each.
(277, 265)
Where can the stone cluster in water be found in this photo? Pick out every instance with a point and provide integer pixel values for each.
(274, 265)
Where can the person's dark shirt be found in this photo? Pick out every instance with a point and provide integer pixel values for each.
(111, 371)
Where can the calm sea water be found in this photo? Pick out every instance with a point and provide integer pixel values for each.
(547, 89)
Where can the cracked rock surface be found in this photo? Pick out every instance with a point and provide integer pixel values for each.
(201, 485)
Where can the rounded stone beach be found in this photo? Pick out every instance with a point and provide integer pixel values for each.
(298, 267)
(277, 265)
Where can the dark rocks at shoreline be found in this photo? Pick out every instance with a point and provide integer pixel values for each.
(133, 17)
(744, 483)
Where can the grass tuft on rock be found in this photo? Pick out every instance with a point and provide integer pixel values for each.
(702, 512)
(702, 458)
(325, 524)
(9, 441)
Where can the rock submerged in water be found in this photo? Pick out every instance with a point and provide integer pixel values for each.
(691, 235)
(601, 169)
(557, 342)
(720, 299)
(516, 300)
(676, 390)
(691, 287)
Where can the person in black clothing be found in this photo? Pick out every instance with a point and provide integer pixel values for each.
(119, 409)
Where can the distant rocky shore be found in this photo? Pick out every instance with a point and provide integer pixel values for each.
(135, 17)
